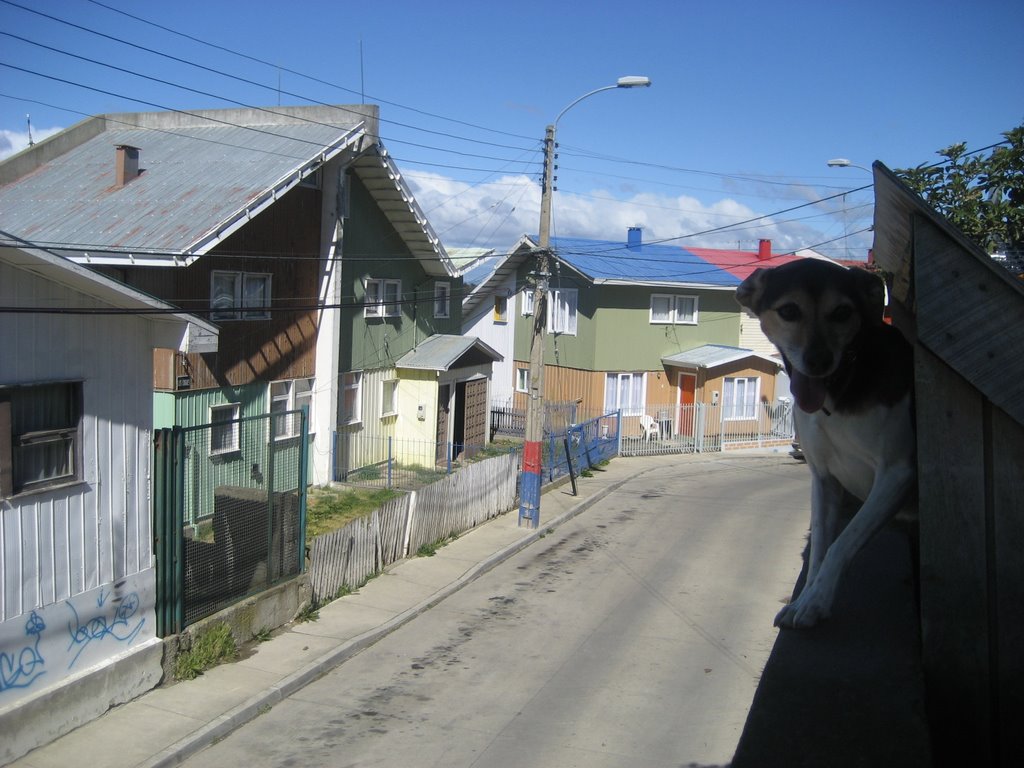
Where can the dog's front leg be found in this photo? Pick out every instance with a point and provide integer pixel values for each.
(887, 495)
(826, 500)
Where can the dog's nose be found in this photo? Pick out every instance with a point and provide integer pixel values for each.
(818, 360)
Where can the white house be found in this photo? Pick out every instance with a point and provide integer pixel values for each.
(77, 577)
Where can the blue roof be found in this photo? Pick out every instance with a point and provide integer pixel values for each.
(606, 260)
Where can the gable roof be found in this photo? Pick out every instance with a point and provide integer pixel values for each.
(175, 328)
(712, 356)
(442, 352)
(618, 263)
(202, 176)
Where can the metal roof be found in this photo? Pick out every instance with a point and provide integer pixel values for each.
(712, 356)
(203, 175)
(442, 352)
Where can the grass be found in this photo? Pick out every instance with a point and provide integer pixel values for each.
(213, 646)
(429, 550)
(329, 508)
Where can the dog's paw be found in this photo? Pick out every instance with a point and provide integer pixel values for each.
(802, 613)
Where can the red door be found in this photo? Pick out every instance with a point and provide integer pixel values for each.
(687, 393)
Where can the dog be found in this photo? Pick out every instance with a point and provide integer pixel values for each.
(851, 376)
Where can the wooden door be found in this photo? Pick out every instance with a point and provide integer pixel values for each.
(687, 397)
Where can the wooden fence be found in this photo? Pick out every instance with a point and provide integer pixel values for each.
(965, 315)
(456, 503)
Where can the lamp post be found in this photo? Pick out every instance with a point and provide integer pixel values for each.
(529, 491)
(842, 162)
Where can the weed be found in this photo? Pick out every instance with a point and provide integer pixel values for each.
(429, 550)
(210, 647)
(262, 636)
(343, 591)
(310, 611)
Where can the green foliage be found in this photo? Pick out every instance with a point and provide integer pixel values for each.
(213, 646)
(982, 195)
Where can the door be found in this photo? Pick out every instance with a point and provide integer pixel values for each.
(687, 396)
(443, 409)
(475, 420)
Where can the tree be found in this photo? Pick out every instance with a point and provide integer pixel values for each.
(983, 195)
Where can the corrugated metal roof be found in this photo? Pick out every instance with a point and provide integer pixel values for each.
(660, 263)
(712, 356)
(203, 175)
(193, 180)
(442, 352)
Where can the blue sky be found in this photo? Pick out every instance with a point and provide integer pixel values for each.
(749, 99)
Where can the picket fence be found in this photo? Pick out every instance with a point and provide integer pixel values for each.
(346, 558)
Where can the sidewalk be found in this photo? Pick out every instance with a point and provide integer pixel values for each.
(168, 724)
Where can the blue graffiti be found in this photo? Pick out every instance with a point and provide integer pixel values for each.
(22, 669)
(115, 625)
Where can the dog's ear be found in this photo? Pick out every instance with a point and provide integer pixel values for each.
(749, 292)
(871, 290)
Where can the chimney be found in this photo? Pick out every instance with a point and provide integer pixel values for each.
(634, 237)
(126, 165)
(764, 250)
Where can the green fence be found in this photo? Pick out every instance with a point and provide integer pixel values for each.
(230, 512)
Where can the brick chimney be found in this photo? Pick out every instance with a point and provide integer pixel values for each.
(764, 250)
(634, 237)
(126, 164)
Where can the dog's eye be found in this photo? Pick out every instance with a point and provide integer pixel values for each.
(789, 312)
(841, 314)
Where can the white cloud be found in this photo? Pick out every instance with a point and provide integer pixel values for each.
(12, 142)
(496, 213)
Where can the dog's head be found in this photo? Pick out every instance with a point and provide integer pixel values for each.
(813, 310)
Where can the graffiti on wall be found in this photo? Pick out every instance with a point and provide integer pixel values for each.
(50, 643)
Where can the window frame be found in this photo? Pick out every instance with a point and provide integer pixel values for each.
(293, 400)
(379, 306)
(351, 381)
(239, 306)
(500, 315)
(385, 385)
(748, 407)
(522, 379)
(442, 300)
(232, 423)
(673, 314)
(67, 433)
(637, 389)
(569, 298)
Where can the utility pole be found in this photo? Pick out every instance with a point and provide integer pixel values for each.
(533, 446)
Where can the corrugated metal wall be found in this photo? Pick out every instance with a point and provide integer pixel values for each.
(58, 543)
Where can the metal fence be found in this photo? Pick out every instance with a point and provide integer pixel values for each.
(702, 428)
(230, 507)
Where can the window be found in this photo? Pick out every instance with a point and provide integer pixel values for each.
(351, 397)
(239, 296)
(290, 396)
(442, 299)
(562, 311)
(739, 398)
(389, 397)
(527, 303)
(40, 437)
(522, 379)
(624, 391)
(224, 429)
(500, 309)
(383, 298)
(673, 309)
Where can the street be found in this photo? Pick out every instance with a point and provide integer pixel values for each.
(633, 635)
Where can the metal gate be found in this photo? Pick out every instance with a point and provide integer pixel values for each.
(229, 512)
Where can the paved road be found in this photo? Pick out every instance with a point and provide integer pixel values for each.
(633, 635)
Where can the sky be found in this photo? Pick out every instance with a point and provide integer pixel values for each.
(729, 145)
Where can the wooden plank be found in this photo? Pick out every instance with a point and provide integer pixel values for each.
(1007, 458)
(971, 317)
(954, 577)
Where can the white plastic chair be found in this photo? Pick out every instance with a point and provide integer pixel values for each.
(649, 427)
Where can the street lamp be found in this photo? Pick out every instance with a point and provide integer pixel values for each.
(529, 492)
(842, 162)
